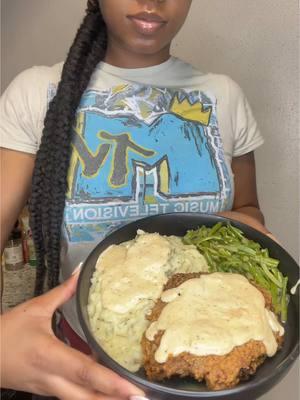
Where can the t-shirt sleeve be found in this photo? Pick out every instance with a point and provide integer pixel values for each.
(247, 136)
(22, 112)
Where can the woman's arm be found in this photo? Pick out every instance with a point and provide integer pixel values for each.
(16, 174)
(245, 199)
(245, 206)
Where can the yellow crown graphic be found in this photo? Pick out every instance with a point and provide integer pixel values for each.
(193, 112)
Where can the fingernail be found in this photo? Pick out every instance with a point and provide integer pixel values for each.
(138, 398)
(77, 269)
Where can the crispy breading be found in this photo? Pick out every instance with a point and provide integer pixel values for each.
(219, 372)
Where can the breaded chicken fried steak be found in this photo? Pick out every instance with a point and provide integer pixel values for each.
(214, 327)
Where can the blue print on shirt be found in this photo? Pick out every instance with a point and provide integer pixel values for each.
(140, 150)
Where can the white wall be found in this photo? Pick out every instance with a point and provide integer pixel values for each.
(36, 32)
(253, 41)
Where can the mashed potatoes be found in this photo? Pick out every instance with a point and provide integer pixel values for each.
(127, 281)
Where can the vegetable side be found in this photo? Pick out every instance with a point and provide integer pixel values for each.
(226, 249)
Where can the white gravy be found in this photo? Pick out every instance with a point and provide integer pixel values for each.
(211, 315)
(128, 280)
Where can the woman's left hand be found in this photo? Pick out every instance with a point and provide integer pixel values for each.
(34, 360)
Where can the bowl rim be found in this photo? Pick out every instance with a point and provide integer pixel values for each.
(284, 365)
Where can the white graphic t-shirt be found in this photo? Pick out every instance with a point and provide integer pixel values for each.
(145, 141)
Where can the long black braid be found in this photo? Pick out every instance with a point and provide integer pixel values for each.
(49, 185)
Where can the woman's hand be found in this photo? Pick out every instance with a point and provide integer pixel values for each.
(34, 360)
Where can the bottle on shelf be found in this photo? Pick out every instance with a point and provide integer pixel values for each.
(13, 252)
(28, 245)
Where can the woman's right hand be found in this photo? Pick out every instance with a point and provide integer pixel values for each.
(34, 360)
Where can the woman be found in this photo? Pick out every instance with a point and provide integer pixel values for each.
(120, 131)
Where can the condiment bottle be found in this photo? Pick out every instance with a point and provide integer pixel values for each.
(13, 252)
(28, 245)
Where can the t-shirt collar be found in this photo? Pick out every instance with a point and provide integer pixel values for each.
(129, 73)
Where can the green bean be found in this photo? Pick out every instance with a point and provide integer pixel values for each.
(270, 276)
(226, 249)
(216, 228)
(284, 300)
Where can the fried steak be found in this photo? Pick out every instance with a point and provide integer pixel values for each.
(219, 372)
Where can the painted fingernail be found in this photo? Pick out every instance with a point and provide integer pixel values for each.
(77, 269)
(138, 398)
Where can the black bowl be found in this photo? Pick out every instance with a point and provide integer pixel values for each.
(267, 376)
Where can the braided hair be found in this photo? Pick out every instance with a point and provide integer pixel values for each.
(49, 184)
